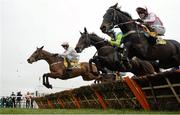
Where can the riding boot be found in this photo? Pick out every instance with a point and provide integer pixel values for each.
(69, 67)
(125, 60)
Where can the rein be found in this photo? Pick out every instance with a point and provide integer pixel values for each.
(128, 33)
(123, 23)
(99, 42)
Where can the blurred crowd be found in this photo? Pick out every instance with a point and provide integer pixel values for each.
(17, 100)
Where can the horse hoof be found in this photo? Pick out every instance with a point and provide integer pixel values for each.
(50, 86)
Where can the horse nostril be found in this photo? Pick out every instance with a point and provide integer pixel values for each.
(76, 48)
(28, 60)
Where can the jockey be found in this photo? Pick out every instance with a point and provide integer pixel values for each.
(115, 38)
(117, 42)
(151, 20)
(70, 54)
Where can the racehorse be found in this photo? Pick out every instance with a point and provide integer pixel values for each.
(107, 56)
(58, 69)
(137, 43)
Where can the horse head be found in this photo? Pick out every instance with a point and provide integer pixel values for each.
(40, 54)
(83, 42)
(37, 55)
(115, 17)
(86, 40)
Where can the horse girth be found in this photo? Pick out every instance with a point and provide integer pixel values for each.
(55, 63)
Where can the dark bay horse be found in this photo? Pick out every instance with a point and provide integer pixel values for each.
(139, 45)
(107, 56)
(58, 69)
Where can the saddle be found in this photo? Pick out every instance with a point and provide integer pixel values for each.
(159, 40)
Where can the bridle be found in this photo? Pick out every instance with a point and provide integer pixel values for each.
(113, 25)
(119, 24)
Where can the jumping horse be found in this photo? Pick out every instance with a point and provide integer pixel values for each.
(107, 56)
(137, 43)
(58, 69)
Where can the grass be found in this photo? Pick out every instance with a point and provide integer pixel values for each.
(81, 111)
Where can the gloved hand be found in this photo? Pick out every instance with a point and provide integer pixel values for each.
(139, 20)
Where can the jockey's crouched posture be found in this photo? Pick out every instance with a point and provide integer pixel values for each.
(70, 54)
(116, 42)
(152, 21)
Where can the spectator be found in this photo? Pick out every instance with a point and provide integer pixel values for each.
(32, 101)
(3, 102)
(13, 97)
(18, 99)
(28, 99)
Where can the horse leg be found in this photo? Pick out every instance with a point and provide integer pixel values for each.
(90, 65)
(125, 59)
(46, 81)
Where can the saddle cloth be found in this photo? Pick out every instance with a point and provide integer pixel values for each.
(73, 63)
(159, 40)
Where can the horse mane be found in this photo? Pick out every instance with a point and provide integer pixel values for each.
(119, 9)
(54, 55)
(125, 13)
(95, 35)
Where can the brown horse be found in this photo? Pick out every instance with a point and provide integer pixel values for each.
(58, 69)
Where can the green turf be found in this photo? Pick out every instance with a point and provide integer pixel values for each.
(81, 111)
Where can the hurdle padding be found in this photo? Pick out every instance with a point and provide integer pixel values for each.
(156, 92)
(162, 90)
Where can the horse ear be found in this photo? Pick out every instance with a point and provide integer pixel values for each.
(115, 6)
(85, 30)
(41, 47)
(81, 33)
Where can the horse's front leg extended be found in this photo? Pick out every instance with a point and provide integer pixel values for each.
(94, 59)
(46, 80)
(90, 64)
